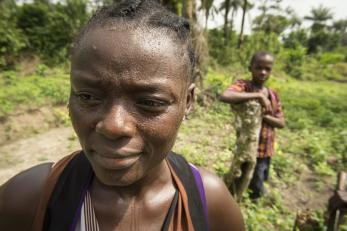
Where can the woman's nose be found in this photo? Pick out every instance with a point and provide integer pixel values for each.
(116, 123)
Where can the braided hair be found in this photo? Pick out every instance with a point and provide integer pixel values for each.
(148, 13)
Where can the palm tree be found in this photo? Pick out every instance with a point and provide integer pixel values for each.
(208, 7)
(340, 26)
(235, 6)
(227, 6)
(244, 9)
(319, 16)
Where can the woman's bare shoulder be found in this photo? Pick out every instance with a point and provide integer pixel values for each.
(223, 211)
(19, 197)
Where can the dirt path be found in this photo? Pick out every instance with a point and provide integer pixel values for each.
(309, 192)
(46, 147)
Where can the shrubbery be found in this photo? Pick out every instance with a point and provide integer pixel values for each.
(43, 29)
(291, 54)
(11, 39)
(31, 92)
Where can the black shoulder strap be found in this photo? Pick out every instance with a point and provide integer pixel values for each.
(184, 172)
(68, 194)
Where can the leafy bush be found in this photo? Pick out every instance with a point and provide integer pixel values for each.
(217, 82)
(229, 54)
(11, 38)
(331, 58)
(294, 39)
(31, 91)
(292, 60)
(218, 50)
(49, 32)
(40, 28)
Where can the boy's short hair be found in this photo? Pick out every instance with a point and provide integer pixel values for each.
(259, 54)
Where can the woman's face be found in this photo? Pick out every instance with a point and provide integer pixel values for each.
(129, 93)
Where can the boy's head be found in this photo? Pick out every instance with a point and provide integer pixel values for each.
(261, 66)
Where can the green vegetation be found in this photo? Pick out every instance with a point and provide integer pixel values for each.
(39, 29)
(316, 115)
(30, 92)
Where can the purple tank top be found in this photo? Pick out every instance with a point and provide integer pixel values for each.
(200, 185)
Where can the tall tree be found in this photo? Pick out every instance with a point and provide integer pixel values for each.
(244, 9)
(229, 6)
(208, 7)
(235, 6)
(340, 26)
(187, 9)
(226, 7)
(274, 19)
(319, 17)
(320, 38)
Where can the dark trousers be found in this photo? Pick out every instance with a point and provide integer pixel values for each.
(261, 174)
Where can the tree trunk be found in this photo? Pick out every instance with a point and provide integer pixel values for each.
(226, 22)
(189, 10)
(248, 121)
(244, 9)
(207, 14)
(197, 35)
(233, 13)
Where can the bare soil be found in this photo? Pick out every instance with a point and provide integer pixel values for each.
(24, 123)
(309, 192)
(49, 146)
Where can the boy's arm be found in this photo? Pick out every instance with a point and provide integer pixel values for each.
(230, 96)
(274, 121)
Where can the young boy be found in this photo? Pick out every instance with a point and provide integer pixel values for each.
(243, 90)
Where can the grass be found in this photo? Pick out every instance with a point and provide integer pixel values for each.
(30, 92)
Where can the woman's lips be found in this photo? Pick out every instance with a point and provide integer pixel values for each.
(116, 163)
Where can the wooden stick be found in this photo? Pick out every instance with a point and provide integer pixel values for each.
(341, 185)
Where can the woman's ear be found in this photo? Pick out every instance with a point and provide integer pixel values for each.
(190, 99)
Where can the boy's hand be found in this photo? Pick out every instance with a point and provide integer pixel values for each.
(265, 102)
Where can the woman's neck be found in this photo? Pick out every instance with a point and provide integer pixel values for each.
(157, 178)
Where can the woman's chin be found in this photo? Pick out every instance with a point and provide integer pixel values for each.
(117, 180)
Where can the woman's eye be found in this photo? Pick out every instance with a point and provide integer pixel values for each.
(88, 99)
(152, 105)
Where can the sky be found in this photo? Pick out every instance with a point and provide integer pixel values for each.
(301, 7)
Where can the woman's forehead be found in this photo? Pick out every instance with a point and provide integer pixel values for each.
(118, 41)
(129, 53)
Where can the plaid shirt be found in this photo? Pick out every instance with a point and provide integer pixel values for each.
(267, 132)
